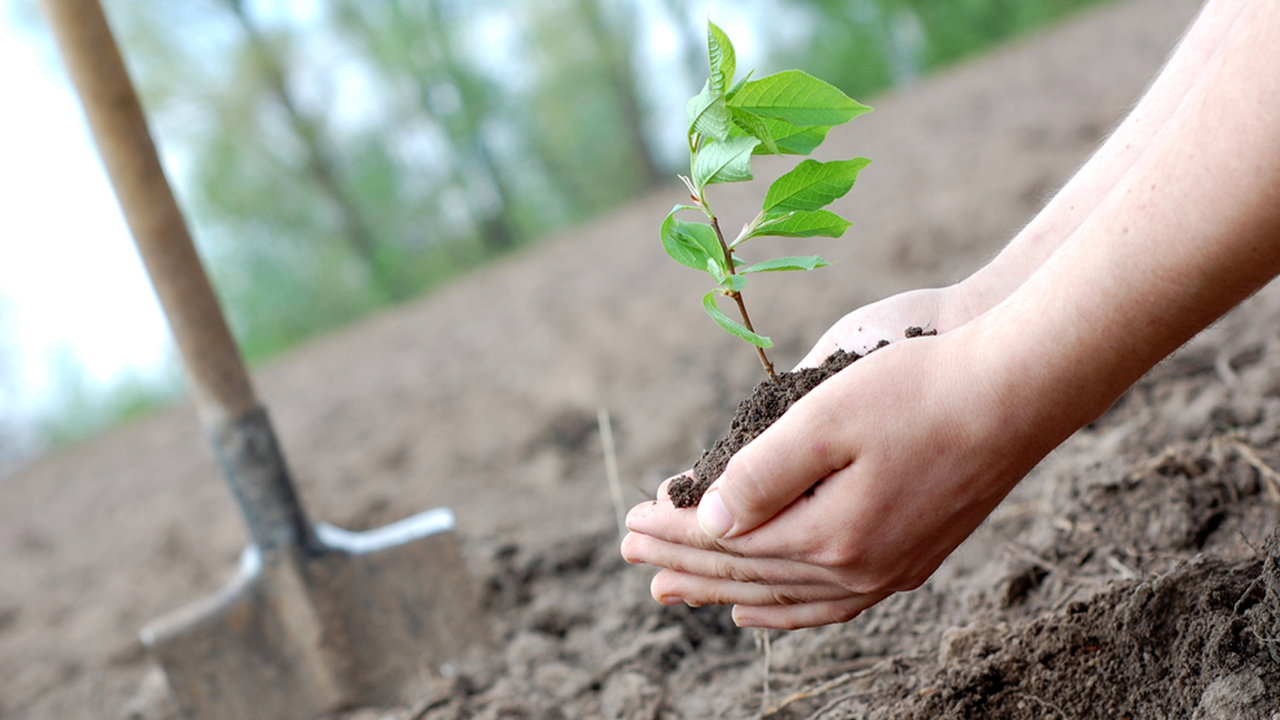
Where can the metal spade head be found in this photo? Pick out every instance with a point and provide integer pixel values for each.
(317, 618)
(296, 633)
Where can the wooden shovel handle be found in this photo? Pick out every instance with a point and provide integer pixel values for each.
(219, 383)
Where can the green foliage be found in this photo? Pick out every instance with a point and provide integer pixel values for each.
(813, 185)
(81, 408)
(816, 223)
(723, 161)
(724, 61)
(789, 139)
(864, 46)
(799, 99)
(690, 244)
(808, 262)
(728, 122)
(732, 326)
(708, 114)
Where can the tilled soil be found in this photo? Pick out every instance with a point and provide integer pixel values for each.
(1133, 574)
(1135, 584)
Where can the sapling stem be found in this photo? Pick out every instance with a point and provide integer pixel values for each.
(737, 296)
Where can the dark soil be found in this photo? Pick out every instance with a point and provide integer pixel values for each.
(754, 415)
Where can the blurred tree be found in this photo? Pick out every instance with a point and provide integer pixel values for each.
(268, 59)
(616, 52)
(588, 137)
(866, 45)
(416, 43)
(852, 45)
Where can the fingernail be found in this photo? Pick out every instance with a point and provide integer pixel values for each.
(671, 600)
(744, 622)
(712, 515)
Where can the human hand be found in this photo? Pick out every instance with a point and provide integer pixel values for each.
(859, 491)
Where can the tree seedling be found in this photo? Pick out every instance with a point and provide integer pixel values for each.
(729, 122)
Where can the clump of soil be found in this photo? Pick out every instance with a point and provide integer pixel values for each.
(761, 409)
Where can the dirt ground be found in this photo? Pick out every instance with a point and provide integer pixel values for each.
(1130, 575)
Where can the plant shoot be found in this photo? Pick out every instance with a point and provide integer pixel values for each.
(788, 113)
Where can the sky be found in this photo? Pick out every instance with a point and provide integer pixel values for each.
(72, 288)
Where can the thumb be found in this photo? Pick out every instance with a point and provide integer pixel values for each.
(780, 465)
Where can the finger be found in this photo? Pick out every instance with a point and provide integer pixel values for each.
(661, 519)
(637, 548)
(796, 617)
(780, 465)
(669, 586)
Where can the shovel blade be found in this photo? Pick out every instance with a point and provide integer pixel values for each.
(293, 636)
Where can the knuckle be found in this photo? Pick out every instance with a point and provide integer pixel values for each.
(782, 597)
(839, 555)
(730, 569)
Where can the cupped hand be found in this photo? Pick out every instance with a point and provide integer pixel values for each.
(859, 491)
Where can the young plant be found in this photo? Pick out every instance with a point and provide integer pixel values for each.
(788, 113)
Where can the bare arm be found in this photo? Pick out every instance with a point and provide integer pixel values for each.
(1086, 191)
(947, 308)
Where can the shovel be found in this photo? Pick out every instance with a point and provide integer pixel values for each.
(317, 618)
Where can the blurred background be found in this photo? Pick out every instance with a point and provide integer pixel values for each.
(335, 157)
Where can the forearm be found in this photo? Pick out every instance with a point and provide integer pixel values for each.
(1189, 231)
(1090, 186)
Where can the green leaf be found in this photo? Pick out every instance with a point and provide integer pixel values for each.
(754, 126)
(722, 161)
(816, 223)
(798, 98)
(732, 326)
(812, 185)
(796, 140)
(690, 244)
(736, 283)
(723, 59)
(708, 115)
(809, 262)
(790, 140)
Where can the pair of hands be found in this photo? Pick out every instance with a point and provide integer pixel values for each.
(906, 451)
(1174, 221)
